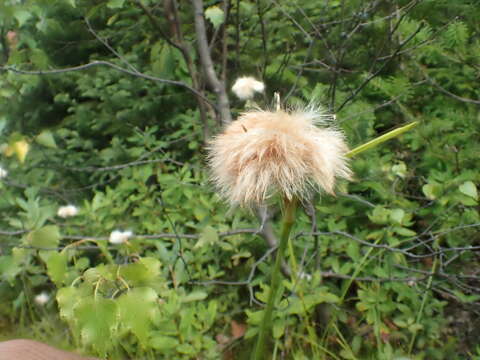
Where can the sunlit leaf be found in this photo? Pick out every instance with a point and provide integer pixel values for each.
(215, 15)
(97, 320)
(20, 148)
(45, 237)
(468, 188)
(135, 309)
(46, 138)
(22, 16)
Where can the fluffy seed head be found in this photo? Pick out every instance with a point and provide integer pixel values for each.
(265, 152)
(119, 237)
(246, 87)
(42, 298)
(3, 173)
(67, 211)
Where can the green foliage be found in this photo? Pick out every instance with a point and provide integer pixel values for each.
(383, 279)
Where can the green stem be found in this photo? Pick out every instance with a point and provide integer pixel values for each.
(422, 305)
(266, 326)
(380, 139)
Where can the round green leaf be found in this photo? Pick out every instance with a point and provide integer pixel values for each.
(215, 15)
(468, 188)
(45, 237)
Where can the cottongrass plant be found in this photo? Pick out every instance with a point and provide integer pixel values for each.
(3, 173)
(67, 211)
(246, 87)
(287, 153)
(42, 298)
(263, 153)
(119, 237)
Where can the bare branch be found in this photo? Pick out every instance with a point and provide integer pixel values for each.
(108, 64)
(107, 45)
(217, 86)
(377, 72)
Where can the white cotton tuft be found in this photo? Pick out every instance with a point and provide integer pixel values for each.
(67, 211)
(3, 173)
(119, 237)
(246, 87)
(268, 152)
(42, 298)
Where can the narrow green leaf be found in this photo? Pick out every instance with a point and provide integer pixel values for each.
(390, 135)
(194, 296)
(162, 342)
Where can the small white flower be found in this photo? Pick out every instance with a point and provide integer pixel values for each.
(67, 211)
(42, 298)
(119, 237)
(246, 87)
(305, 276)
(3, 173)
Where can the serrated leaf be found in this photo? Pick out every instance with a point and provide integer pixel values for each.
(57, 266)
(45, 138)
(67, 298)
(215, 15)
(468, 188)
(142, 273)
(209, 236)
(45, 237)
(97, 320)
(136, 308)
(163, 61)
(9, 268)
